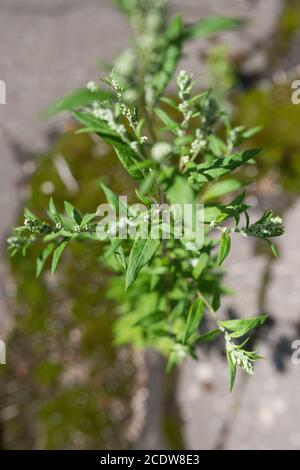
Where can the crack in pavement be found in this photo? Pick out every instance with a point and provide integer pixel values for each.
(18, 8)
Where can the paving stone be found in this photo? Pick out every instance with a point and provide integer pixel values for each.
(270, 408)
(203, 394)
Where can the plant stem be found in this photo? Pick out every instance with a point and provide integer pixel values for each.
(209, 307)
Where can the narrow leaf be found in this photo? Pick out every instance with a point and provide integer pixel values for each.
(87, 218)
(242, 326)
(210, 26)
(194, 319)
(225, 244)
(141, 254)
(221, 188)
(73, 213)
(126, 155)
(53, 212)
(208, 336)
(232, 370)
(175, 29)
(78, 98)
(200, 266)
(167, 120)
(94, 124)
(57, 255)
(42, 258)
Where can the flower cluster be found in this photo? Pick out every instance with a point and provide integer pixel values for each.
(239, 356)
(267, 226)
(161, 150)
(107, 115)
(115, 85)
(199, 143)
(147, 18)
(36, 226)
(210, 112)
(91, 86)
(184, 84)
(18, 243)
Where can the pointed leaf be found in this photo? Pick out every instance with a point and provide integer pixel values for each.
(200, 266)
(42, 258)
(210, 26)
(127, 156)
(232, 370)
(78, 98)
(225, 244)
(57, 255)
(170, 124)
(174, 30)
(73, 213)
(53, 212)
(222, 166)
(194, 319)
(208, 336)
(141, 253)
(242, 326)
(87, 218)
(221, 188)
(94, 124)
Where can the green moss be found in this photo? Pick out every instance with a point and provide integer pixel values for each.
(280, 136)
(69, 386)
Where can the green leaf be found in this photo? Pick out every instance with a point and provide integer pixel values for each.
(217, 145)
(53, 212)
(42, 258)
(141, 253)
(194, 319)
(251, 132)
(94, 124)
(29, 214)
(145, 200)
(148, 182)
(242, 326)
(208, 336)
(170, 124)
(181, 191)
(170, 102)
(168, 60)
(221, 188)
(273, 247)
(141, 165)
(126, 155)
(73, 213)
(174, 30)
(178, 310)
(210, 26)
(78, 98)
(112, 198)
(139, 128)
(57, 255)
(119, 255)
(225, 244)
(114, 245)
(211, 213)
(216, 300)
(222, 166)
(87, 218)
(232, 370)
(200, 266)
(150, 319)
